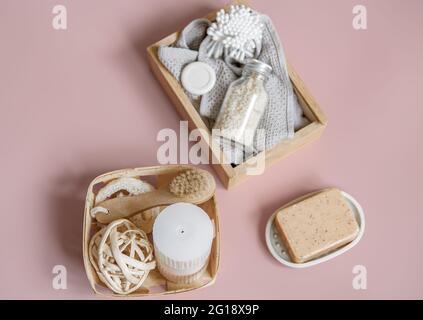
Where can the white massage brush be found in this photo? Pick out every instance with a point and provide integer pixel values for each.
(237, 32)
(193, 186)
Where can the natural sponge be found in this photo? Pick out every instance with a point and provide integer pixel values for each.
(316, 225)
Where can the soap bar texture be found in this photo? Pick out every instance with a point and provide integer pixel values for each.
(316, 225)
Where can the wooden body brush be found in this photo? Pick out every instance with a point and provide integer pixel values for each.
(194, 186)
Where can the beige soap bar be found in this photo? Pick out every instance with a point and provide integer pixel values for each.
(316, 225)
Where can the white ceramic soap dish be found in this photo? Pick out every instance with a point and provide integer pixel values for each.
(279, 252)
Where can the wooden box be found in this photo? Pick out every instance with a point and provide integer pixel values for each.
(155, 283)
(229, 175)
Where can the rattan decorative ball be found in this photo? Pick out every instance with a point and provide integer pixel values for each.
(122, 256)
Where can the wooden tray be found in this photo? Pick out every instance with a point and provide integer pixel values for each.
(230, 176)
(155, 284)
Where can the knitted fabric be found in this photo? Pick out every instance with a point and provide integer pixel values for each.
(282, 113)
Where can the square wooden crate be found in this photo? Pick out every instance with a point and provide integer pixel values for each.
(229, 175)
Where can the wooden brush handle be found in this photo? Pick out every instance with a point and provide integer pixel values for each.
(126, 207)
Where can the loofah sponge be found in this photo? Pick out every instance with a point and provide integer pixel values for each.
(133, 187)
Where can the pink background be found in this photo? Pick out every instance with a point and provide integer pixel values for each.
(81, 102)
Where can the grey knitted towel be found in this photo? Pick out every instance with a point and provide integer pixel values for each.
(283, 113)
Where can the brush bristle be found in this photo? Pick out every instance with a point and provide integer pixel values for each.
(190, 183)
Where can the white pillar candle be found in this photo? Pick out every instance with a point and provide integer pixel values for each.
(182, 236)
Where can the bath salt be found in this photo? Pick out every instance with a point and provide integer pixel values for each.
(244, 105)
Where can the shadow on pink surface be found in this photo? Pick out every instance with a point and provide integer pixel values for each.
(66, 214)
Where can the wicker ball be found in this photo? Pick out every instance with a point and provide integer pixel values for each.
(122, 256)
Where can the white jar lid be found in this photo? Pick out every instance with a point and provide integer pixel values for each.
(183, 232)
(198, 78)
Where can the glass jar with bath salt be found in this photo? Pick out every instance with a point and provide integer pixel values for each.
(244, 105)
